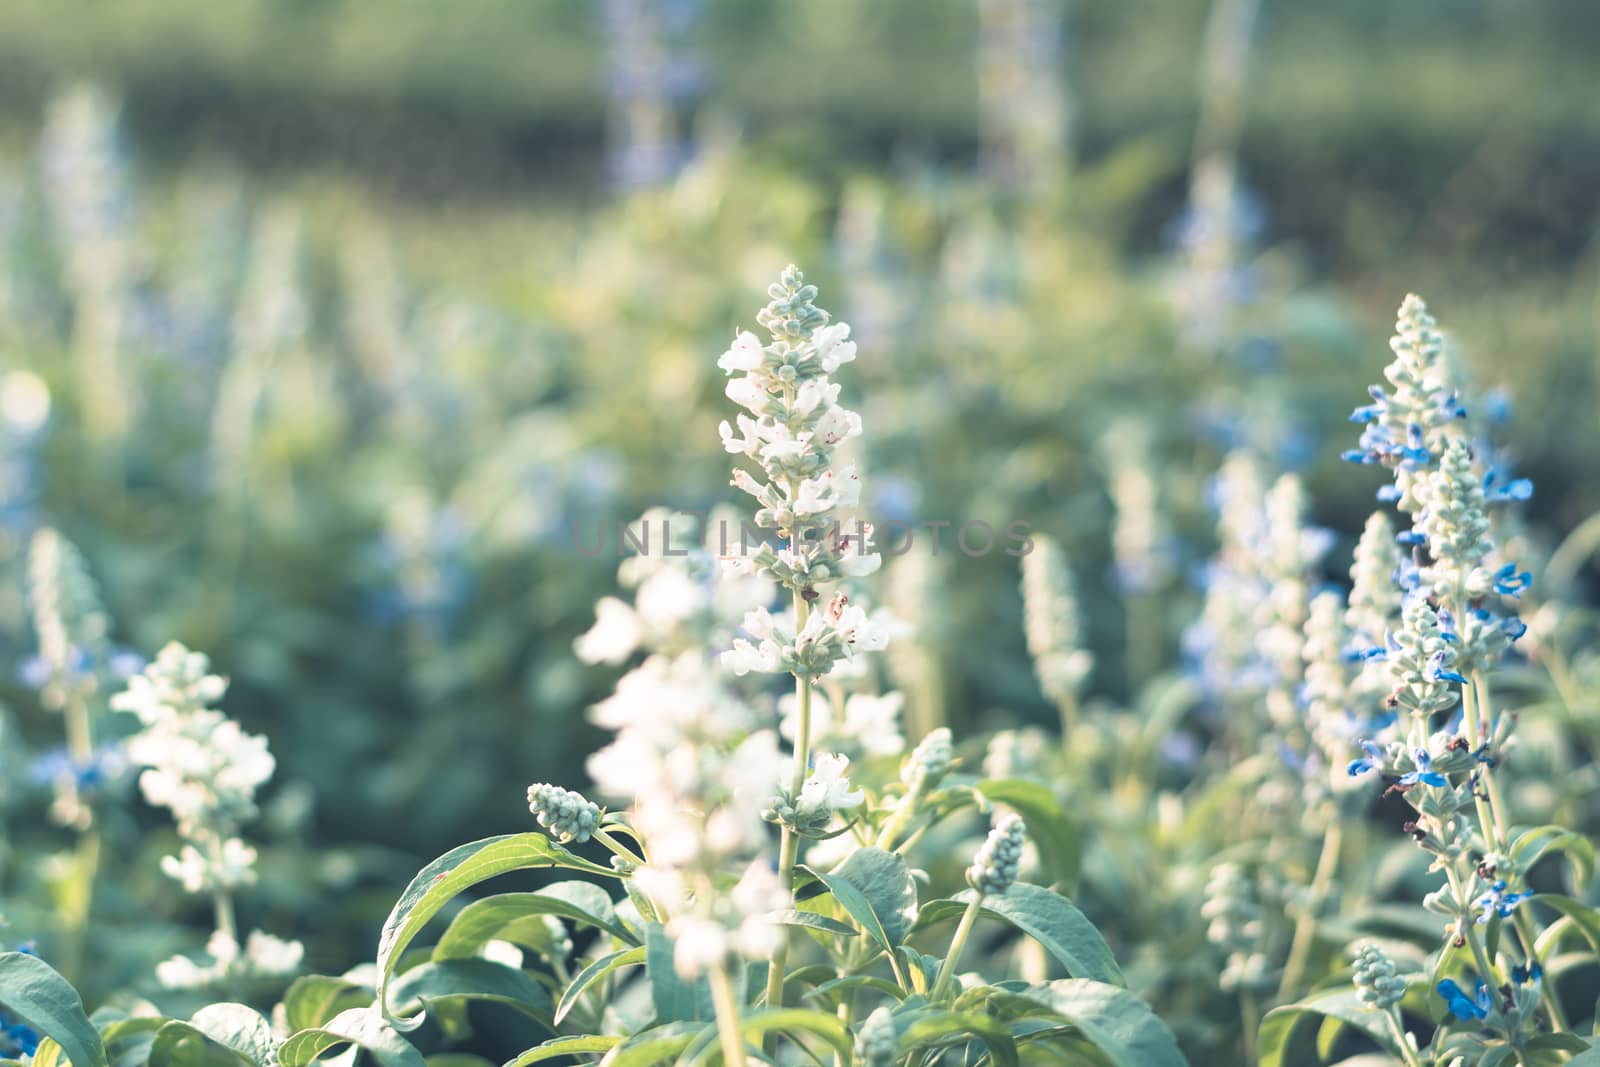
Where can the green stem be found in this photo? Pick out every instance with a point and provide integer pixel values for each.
(80, 747)
(622, 851)
(726, 1006)
(1468, 931)
(947, 970)
(789, 846)
(222, 911)
(1249, 1022)
(1068, 707)
(1306, 925)
(1406, 1051)
(1496, 821)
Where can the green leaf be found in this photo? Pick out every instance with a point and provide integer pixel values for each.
(366, 1028)
(784, 1020)
(850, 983)
(31, 990)
(1048, 918)
(472, 979)
(457, 870)
(1285, 1041)
(655, 1045)
(220, 1035)
(1568, 1043)
(512, 916)
(812, 921)
(1585, 919)
(315, 998)
(1051, 830)
(239, 1027)
(1117, 1023)
(941, 1029)
(564, 1046)
(675, 1000)
(128, 1041)
(1533, 845)
(594, 972)
(875, 889)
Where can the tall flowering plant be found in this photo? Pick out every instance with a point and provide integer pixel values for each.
(1430, 617)
(742, 899)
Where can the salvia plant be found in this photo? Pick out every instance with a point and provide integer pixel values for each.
(1328, 839)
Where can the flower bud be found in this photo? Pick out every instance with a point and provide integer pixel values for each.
(565, 814)
(994, 869)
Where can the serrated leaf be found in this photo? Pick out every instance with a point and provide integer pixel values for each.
(31, 990)
(1284, 1040)
(594, 972)
(440, 881)
(504, 917)
(1047, 917)
(564, 1046)
(365, 1028)
(1053, 832)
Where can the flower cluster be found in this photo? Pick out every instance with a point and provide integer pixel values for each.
(205, 769)
(1406, 429)
(1377, 984)
(71, 625)
(1050, 622)
(877, 1044)
(1221, 643)
(566, 815)
(930, 761)
(793, 427)
(682, 598)
(262, 958)
(692, 758)
(1233, 911)
(999, 861)
(1374, 605)
(838, 631)
(1289, 553)
(1450, 634)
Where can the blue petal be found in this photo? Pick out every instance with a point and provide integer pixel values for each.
(1461, 1007)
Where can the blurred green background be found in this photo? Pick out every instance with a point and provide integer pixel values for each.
(384, 323)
